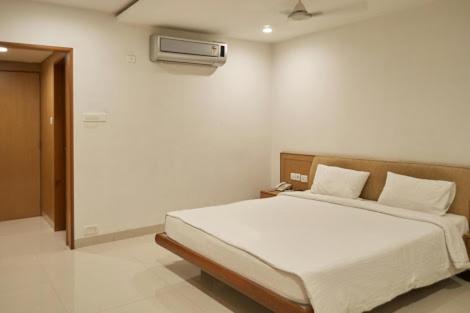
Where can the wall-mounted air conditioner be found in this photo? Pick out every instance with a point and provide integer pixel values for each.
(172, 49)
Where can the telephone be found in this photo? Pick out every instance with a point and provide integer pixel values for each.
(283, 186)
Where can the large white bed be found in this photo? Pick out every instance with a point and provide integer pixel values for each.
(283, 283)
(306, 268)
(310, 252)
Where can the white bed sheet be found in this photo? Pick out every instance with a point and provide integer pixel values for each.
(460, 221)
(237, 260)
(285, 284)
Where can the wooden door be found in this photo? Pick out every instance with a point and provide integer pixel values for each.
(59, 146)
(19, 145)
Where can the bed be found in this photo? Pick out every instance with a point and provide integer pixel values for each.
(263, 250)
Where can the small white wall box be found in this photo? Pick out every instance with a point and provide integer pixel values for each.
(90, 230)
(295, 176)
(95, 117)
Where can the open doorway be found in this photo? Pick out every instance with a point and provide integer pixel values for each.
(36, 134)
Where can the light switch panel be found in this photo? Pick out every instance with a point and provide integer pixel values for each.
(95, 117)
(304, 178)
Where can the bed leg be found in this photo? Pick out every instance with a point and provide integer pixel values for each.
(207, 279)
(465, 276)
(205, 276)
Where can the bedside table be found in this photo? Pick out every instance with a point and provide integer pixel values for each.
(268, 193)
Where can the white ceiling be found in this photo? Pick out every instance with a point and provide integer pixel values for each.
(241, 19)
(244, 19)
(107, 6)
(25, 56)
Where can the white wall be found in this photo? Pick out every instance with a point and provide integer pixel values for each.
(396, 87)
(175, 139)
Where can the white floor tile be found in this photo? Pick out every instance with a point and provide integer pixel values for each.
(33, 225)
(92, 283)
(20, 273)
(37, 299)
(149, 305)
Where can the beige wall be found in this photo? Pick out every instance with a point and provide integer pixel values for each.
(395, 87)
(176, 137)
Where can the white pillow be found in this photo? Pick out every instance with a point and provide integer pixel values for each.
(339, 182)
(431, 196)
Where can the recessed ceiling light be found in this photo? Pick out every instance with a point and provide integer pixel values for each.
(3, 49)
(267, 29)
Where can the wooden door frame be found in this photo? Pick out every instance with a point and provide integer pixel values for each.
(69, 157)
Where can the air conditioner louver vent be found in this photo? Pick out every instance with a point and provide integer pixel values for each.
(171, 49)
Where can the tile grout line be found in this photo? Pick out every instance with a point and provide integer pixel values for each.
(51, 283)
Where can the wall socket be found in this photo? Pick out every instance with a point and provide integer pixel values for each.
(295, 176)
(304, 178)
(90, 230)
(131, 58)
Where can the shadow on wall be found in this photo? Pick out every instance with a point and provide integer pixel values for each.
(187, 69)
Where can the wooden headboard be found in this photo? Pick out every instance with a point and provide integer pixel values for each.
(296, 163)
(378, 174)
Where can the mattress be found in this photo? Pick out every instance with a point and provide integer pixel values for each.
(285, 284)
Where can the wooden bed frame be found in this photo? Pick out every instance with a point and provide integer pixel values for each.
(260, 294)
(378, 169)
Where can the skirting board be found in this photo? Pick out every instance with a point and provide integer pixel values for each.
(48, 220)
(95, 240)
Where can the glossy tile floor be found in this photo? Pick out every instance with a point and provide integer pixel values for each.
(38, 274)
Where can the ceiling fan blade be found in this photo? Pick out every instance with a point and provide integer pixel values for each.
(317, 13)
(300, 6)
(349, 8)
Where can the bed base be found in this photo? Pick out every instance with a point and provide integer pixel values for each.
(258, 293)
(465, 275)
